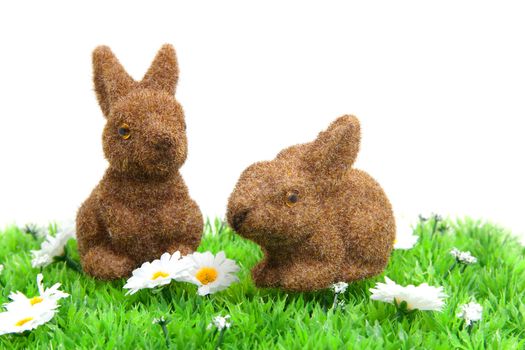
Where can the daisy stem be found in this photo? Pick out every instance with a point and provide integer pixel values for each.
(335, 300)
(70, 262)
(166, 334)
(221, 337)
(450, 269)
(469, 327)
(400, 311)
(400, 315)
(73, 264)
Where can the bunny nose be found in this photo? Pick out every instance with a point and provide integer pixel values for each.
(164, 144)
(239, 218)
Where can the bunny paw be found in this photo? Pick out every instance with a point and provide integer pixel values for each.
(103, 263)
(303, 277)
(183, 249)
(265, 277)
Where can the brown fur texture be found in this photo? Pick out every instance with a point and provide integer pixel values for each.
(317, 219)
(141, 208)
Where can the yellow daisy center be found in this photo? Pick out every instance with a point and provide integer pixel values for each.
(159, 274)
(23, 321)
(395, 241)
(36, 300)
(206, 275)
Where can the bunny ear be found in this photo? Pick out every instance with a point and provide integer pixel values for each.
(163, 73)
(111, 80)
(335, 150)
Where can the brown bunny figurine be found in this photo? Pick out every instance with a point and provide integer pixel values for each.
(141, 208)
(317, 219)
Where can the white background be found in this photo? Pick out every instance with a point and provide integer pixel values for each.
(439, 89)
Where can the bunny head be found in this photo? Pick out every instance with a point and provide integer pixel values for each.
(145, 130)
(283, 201)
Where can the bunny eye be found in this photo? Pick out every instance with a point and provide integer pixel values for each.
(292, 197)
(124, 131)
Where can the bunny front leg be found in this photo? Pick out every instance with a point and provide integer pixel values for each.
(309, 275)
(186, 225)
(96, 257)
(360, 270)
(317, 266)
(265, 275)
(103, 263)
(184, 249)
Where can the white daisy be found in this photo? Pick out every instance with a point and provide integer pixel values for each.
(339, 287)
(422, 297)
(24, 319)
(463, 257)
(220, 323)
(52, 246)
(1, 268)
(405, 237)
(41, 260)
(156, 273)
(210, 273)
(46, 300)
(69, 226)
(36, 230)
(470, 312)
(159, 320)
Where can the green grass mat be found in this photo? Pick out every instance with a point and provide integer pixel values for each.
(99, 316)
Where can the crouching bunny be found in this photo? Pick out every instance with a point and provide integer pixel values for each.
(317, 219)
(141, 208)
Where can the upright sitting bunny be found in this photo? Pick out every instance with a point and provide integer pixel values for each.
(141, 208)
(318, 220)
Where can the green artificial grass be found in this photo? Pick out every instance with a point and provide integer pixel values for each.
(99, 315)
